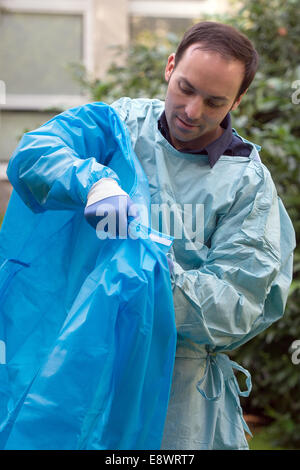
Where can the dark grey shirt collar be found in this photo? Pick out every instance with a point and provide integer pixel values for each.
(228, 143)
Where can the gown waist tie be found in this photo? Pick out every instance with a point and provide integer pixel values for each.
(218, 370)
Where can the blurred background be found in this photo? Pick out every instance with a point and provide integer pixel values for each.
(56, 54)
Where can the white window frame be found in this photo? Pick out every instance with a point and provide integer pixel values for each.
(30, 102)
(176, 9)
(3, 168)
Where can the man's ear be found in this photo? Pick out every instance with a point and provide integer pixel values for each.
(170, 67)
(237, 102)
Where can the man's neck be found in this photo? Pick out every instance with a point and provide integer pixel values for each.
(200, 142)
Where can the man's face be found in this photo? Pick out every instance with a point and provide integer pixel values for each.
(202, 89)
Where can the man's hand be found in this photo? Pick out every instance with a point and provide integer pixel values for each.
(109, 209)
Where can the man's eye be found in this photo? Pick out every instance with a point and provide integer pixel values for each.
(212, 104)
(186, 91)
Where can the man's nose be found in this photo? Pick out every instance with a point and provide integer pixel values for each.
(194, 108)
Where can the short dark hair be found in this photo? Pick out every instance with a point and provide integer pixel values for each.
(227, 41)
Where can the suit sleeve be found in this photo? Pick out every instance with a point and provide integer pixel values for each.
(55, 166)
(243, 285)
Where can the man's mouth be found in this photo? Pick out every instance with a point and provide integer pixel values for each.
(184, 125)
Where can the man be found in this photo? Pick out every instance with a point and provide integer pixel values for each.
(231, 275)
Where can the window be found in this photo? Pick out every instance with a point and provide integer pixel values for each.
(39, 40)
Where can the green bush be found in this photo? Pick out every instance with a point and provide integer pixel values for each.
(142, 74)
(268, 117)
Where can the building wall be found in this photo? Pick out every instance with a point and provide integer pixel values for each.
(111, 28)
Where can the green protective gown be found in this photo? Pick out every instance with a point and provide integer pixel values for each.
(232, 254)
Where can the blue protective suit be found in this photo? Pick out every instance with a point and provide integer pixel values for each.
(87, 326)
(231, 275)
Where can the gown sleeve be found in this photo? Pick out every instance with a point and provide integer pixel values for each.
(55, 166)
(243, 285)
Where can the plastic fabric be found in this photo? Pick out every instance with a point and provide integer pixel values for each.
(87, 325)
